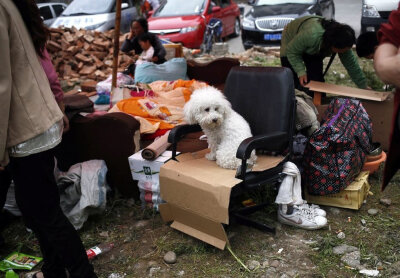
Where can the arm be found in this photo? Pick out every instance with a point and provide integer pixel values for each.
(55, 86)
(387, 63)
(5, 84)
(149, 54)
(159, 50)
(350, 63)
(131, 44)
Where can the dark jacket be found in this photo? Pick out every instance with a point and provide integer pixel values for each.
(133, 44)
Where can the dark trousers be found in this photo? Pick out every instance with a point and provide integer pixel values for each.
(314, 69)
(38, 199)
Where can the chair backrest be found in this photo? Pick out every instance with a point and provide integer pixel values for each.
(264, 96)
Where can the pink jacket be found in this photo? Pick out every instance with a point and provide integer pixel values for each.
(52, 76)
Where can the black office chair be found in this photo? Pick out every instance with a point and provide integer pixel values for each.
(265, 97)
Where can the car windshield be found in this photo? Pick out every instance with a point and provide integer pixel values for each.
(179, 7)
(85, 7)
(277, 2)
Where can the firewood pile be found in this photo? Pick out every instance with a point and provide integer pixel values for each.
(81, 55)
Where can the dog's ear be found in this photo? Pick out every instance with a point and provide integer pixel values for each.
(189, 112)
(225, 106)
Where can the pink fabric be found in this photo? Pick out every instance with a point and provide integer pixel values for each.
(51, 74)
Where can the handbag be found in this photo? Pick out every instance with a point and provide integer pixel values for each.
(335, 153)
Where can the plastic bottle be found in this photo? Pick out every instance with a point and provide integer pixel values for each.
(11, 274)
(99, 249)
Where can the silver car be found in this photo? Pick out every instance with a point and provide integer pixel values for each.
(99, 16)
(50, 11)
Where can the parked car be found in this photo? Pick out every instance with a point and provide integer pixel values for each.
(376, 12)
(264, 23)
(99, 16)
(184, 21)
(50, 11)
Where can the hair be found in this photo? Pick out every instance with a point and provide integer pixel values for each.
(145, 37)
(337, 35)
(34, 23)
(366, 44)
(142, 21)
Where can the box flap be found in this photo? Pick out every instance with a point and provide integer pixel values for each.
(198, 185)
(194, 225)
(347, 91)
(358, 182)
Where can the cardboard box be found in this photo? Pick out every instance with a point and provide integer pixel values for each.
(146, 170)
(197, 192)
(352, 197)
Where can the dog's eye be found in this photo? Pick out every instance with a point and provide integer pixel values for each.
(207, 109)
(216, 108)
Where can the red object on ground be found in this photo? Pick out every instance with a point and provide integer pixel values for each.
(99, 249)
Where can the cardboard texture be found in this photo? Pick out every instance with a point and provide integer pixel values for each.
(197, 192)
(339, 90)
(352, 197)
(380, 114)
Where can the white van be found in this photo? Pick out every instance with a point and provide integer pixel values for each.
(96, 15)
(375, 12)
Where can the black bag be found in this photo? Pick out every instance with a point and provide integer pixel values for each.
(335, 153)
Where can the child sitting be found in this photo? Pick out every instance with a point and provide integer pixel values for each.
(146, 55)
(148, 50)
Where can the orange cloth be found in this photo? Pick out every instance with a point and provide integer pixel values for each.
(165, 109)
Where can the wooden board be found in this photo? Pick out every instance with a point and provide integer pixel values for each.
(322, 87)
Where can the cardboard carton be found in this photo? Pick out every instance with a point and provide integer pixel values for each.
(146, 170)
(352, 197)
(197, 192)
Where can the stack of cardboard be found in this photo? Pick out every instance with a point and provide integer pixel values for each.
(82, 55)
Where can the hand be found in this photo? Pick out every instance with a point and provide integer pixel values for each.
(66, 123)
(131, 34)
(1, 168)
(303, 80)
(154, 59)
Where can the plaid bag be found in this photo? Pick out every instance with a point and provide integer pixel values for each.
(335, 153)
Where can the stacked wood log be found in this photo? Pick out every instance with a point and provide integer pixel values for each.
(81, 55)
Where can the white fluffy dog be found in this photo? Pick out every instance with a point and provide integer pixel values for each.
(225, 129)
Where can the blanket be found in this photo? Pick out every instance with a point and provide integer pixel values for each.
(161, 107)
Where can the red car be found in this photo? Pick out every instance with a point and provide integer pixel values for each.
(184, 21)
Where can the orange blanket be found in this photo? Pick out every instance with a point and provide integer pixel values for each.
(164, 108)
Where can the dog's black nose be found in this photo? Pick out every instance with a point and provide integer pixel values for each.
(215, 120)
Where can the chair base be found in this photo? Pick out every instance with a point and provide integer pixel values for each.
(240, 217)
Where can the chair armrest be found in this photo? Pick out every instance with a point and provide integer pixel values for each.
(272, 142)
(178, 132)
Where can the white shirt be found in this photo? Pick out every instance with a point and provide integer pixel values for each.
(145, 56)
(154, 4)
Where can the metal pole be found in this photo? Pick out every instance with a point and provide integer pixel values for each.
(116, 48)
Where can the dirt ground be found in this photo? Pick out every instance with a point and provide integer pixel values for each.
(141, 238)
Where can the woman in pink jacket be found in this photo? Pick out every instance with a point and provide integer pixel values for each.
(31, 125)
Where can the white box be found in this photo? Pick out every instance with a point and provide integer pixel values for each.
(146, 170)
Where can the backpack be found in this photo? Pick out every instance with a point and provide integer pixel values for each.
(335, 153)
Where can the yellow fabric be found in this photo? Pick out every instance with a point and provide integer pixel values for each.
(165, 109)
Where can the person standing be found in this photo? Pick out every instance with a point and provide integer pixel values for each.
(387, 67)
(31, 125)
(307, 41)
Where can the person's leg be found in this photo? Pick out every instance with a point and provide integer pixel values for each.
(5, 181)
(285, 63)
(38, 199)
(314, 66)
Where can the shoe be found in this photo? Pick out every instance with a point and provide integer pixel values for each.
(302, 217)
(317, 210)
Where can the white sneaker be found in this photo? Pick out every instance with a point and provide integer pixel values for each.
(317, 210)
(302, 217)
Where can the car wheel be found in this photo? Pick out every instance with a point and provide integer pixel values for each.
(236, 31)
